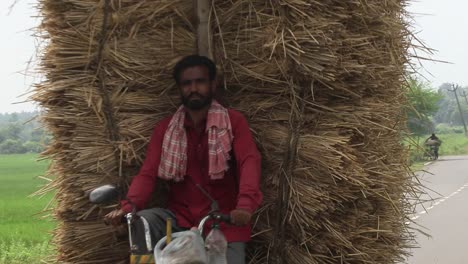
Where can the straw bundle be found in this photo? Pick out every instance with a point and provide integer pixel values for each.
(320, 82)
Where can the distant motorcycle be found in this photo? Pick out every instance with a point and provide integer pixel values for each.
(432, 148)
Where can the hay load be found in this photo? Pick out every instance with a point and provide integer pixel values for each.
(320, 82)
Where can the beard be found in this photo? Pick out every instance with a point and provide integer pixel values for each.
(197, 103)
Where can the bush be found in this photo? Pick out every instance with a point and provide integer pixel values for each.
(458, 130)
(11, 146)
(418, 153)
(444, 128)
(34, 147)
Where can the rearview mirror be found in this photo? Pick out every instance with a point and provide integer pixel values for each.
(104, 194)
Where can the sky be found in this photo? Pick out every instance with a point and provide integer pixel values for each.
(17, 48)
(441, 25)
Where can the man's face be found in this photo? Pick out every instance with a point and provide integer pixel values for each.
(196, 88)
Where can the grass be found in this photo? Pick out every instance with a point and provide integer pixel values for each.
(418, 166)
(24, 234)
(23, 252)
(453, 144)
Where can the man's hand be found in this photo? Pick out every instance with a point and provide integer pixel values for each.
(115, 217)
(240, 217)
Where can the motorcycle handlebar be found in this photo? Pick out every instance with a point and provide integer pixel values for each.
(223, 217)
(216, 217)
(124, 219)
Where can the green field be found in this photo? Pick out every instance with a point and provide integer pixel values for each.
(24, 233)
(453, 144)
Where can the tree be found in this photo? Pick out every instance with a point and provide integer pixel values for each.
(31, 146)
(422, 105)
(3, 135)
(11, 146)
(23, 128)
(448, 112)
(455, 118)
(13, 131)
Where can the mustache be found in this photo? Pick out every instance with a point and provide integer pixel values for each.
(193, 94)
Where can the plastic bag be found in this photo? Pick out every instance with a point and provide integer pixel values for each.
(216, 246)
(185, 248)
(433, 142)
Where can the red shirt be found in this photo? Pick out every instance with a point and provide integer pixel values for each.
(240, 187)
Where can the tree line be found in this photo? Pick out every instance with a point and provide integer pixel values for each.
(448, 112)
(21, 133)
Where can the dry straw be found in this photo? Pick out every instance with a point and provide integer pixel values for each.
(321, 83)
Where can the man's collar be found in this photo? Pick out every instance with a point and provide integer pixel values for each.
(188, 123)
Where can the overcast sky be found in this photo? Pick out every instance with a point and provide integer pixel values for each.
(442, 25)
(17, 47)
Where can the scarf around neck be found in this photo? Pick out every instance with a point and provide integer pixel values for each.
(173, 165)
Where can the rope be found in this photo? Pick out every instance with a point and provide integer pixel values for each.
(289, 164)
(110, 123)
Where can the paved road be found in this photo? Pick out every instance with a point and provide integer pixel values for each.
(445, 218)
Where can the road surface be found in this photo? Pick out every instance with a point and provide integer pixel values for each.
(446, 217)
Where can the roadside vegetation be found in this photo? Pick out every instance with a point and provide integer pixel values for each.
(452, 144)
(435, 111)
(24, 230)
(21, 133)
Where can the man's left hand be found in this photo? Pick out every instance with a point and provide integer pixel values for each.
(240, 217)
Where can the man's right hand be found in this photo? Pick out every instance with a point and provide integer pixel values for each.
(115, 217)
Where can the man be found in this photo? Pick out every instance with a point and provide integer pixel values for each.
(202, 145)
(432, 137)
(434, 143)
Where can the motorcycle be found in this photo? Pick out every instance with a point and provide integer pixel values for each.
(432, 148)
(175, 248)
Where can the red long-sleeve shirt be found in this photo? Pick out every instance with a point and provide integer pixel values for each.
(240, 187)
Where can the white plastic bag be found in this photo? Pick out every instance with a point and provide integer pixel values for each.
(185, 248)
(433, 142)
(216, 247)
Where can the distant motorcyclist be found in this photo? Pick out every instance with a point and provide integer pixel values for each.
(434, 143)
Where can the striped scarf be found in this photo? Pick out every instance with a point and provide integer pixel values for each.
(173, 165)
